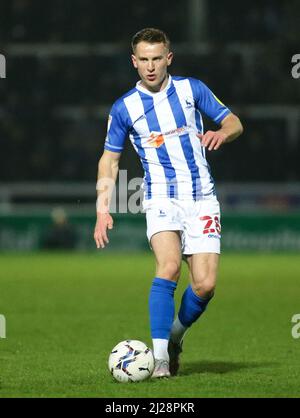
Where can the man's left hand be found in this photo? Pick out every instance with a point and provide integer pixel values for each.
(212, 139)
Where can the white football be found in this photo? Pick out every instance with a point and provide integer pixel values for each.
(131, 361)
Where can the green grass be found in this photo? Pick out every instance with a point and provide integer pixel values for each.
(65, 312)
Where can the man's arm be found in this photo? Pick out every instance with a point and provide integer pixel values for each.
(231, 128)
(108, 168)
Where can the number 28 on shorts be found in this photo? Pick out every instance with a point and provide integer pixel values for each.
(211, 224)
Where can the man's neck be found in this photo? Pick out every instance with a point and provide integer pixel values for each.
(160, 87)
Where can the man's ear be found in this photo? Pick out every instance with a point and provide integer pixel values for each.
(170, 58)
(133, 59)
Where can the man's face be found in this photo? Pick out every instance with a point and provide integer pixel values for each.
(151, 62)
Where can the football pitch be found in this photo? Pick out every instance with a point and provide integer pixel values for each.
(64, 313)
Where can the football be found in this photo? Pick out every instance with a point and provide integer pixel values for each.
(131, 361)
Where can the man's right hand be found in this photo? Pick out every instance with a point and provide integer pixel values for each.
(104, 222)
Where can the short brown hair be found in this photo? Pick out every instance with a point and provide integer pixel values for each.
(152, 36)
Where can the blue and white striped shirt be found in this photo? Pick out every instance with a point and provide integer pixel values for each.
(162, 127)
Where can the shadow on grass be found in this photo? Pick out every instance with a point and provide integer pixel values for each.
(219, 367)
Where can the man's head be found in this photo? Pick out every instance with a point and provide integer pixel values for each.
(151, 57)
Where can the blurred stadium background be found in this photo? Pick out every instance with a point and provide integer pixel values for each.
(67, 61)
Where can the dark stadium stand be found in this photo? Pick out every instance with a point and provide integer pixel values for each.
(68, 61)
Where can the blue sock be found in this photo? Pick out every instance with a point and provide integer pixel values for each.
(161, 307)
(192, 306)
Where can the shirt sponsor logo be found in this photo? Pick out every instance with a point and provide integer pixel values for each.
(156, 139)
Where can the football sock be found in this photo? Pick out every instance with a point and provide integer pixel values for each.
(160, 348)
(191, 308)
(178, 331)
(162, 310)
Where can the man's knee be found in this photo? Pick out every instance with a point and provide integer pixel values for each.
(204, 287)
(169, 270)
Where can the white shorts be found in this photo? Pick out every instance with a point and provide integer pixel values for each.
(197, 221)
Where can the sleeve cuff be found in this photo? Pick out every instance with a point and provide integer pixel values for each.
(113, 148)
(222, 115)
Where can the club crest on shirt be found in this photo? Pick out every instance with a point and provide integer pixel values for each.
(189, 103)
